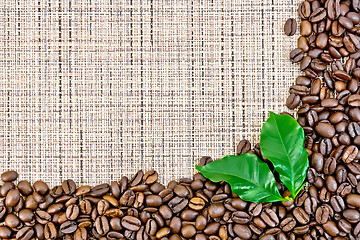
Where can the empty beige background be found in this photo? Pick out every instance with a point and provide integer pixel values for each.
(91, 90)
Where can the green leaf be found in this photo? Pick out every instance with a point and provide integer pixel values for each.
(282, 142)
(248, 176)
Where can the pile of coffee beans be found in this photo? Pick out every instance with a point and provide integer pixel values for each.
(327, 99)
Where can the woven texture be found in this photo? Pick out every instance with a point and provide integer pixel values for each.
(92, 90)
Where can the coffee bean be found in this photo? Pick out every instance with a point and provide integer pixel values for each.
(322, 215)
(269, 217)
(325, 130)
(50, 231)
(41, 187)
(9, 176)
(296, 55)
(331, 228)
(301, 216)
(25, 233)
(290, 27)
(12, 198)
(68, 227)
(99, 190)
(102, 225)
(293, 101)
(177, 204)
(187, 231)
(317, 15)
(310, 205)
(242, 231)
(350, 154)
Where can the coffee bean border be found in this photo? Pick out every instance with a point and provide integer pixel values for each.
(327, 100)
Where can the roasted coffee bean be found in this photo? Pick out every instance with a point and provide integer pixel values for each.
(102, 225)
(290, 27)
(50, 231)
(325, 130)
(242, 231)
(293, 101)
(9, 176)
(301, 216)
(12, 198)
(351, 215)
(310, 205)
(296, 55)
(150, 177)
(131, 223)
(317, 15)
(331, 184)
(325, 146)
(68, 227)
(329, 165)
(304, 10)
(99, 190)
(68, 186)
(72, 212)
(177, 204)
(350, 154)
(322, 214)
(269, 217)
(25, 233)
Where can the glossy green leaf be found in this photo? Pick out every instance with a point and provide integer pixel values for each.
(282, 142)
(248, 176)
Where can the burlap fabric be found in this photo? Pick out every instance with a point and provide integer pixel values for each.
(94, 89)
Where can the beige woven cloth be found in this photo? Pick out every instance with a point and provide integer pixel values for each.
(95, 89)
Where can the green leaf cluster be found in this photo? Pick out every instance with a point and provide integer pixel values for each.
(281, 142)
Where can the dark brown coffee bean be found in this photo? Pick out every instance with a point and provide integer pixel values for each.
(137, 178)
(317, 15)
(301, 216)
(296, 55)
(331, 184)
(50, 231)
(81, 234)
(336, 29)
(150, 177)
(12, 198)
(269, 217)
(131, 223)
(325, 146)
(72, 212)
(303, 44)
(290, 27)
(317, 161)
(25, 188)
(41, 187)
(42, 217)
(68, 186)
(351, 215)
(322, 215)
(242, 231)
(99, 190)
(68, 227)
(293, 101)
(333, 9)
(102, 225)
(325, 129)
(9, 176)
(25, 233)
(244, 145)
(330, 165)
(350, 154)
(304, 10)
(310, 205)
(287, 224)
